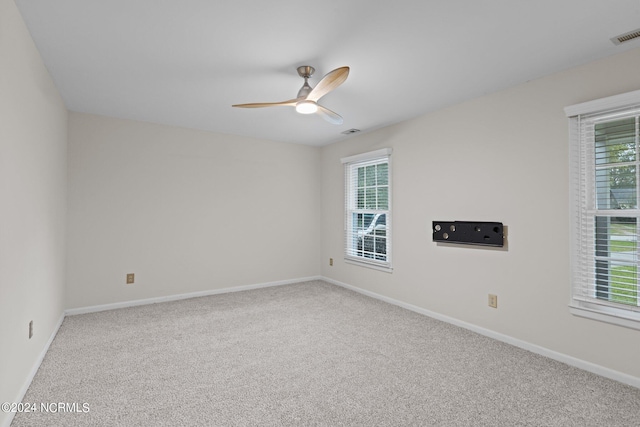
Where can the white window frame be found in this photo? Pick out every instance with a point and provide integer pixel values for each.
(583, 209)
(350, 208)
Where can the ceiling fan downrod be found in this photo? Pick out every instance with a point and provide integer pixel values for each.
(305, 72)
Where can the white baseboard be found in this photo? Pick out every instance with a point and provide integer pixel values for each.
(34, 370)
(560, 357)
(133, 303)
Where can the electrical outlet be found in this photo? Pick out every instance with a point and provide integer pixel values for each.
(130, 278)
(330, 261)
(30, 329)
(493, 301)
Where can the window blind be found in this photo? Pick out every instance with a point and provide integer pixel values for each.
(605, 160)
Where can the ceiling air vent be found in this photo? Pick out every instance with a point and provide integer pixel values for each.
(350, 131)
(631, 35)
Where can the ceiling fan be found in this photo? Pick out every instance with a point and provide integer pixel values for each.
(307, 100)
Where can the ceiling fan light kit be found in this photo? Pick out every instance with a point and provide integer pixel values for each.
(307, 100)
(306, 107)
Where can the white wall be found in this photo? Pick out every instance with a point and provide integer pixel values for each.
(502, 157)
(33, 138)
(190, 211)
(185, 210)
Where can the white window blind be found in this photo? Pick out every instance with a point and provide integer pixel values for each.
(368, 209)
(605, 216)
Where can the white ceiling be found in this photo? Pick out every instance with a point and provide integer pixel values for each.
(184, 62)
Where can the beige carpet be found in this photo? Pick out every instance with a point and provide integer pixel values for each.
(306, 354)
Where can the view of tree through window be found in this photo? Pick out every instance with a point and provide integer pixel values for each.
(616, 234)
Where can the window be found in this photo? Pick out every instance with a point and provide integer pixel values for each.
(605, 168)
(368, 209)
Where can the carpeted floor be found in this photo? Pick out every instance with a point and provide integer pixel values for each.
(306, 354)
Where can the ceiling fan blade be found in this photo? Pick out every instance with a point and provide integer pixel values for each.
(291, 102)
(330, 116)
(328, 83)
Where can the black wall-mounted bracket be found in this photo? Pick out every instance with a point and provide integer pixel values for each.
(469, 232)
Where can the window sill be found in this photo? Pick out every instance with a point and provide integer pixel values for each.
(606, 314)
(375, 266)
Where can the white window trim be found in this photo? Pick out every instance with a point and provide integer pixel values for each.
(604, 104)
(387, 265)
(371, 155)
(579, 307)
